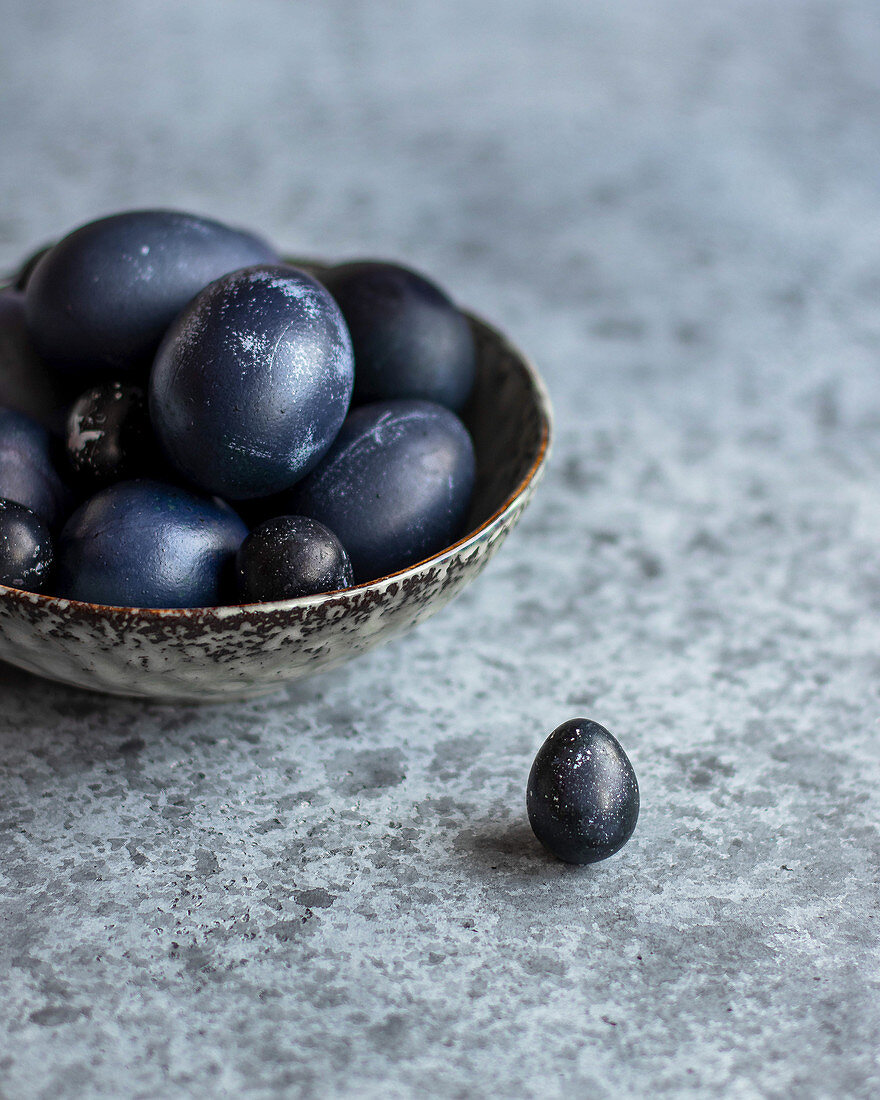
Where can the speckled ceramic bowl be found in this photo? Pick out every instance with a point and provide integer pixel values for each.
(222, 653)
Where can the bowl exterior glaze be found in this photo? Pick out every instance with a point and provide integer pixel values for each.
(225, 653)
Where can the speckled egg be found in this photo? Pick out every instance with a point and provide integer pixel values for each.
(252, 382)
(291, 556)
(583, 796)
(27, 555)
(109, 437)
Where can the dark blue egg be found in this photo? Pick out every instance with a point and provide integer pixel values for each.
(409, 339)
(147, 544)
(104, 295)
(26, 383)
(394, 487)
(109, 437)
(27, 472)
(583, 796)
(26, 552)
(252, 382)
(291, 556)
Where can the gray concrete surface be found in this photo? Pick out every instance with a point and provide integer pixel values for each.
(673, 206)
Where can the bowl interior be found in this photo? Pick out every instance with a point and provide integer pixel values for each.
(508, 418)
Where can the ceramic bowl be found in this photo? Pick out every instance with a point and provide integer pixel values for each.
(223, 653)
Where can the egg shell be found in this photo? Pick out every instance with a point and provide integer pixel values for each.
(105, 294)
(410, 340)
(291, 556)
(27, 555)
(583, 795)
(252, 382)
(109, 437)
(394, 487)
(147, 544)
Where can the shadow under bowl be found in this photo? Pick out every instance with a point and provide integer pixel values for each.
(216, 654)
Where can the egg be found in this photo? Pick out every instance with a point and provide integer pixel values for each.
(410, 340)
(27, 555)
(26, 383)
(104, 295)
(291, 556)
(143, 543)
(582, 796)
(394, 487)
(252, 382)
(109, 437)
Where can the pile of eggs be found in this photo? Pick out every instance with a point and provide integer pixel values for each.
(186, 420)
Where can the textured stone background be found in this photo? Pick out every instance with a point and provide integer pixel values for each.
(673, 206)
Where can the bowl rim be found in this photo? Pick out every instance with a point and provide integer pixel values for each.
(222, 611)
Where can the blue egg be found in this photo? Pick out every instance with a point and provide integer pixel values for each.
(252, 382)
(409, 339)
(104, 295)
(147, 544)
(27, 473)
(395, 486)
